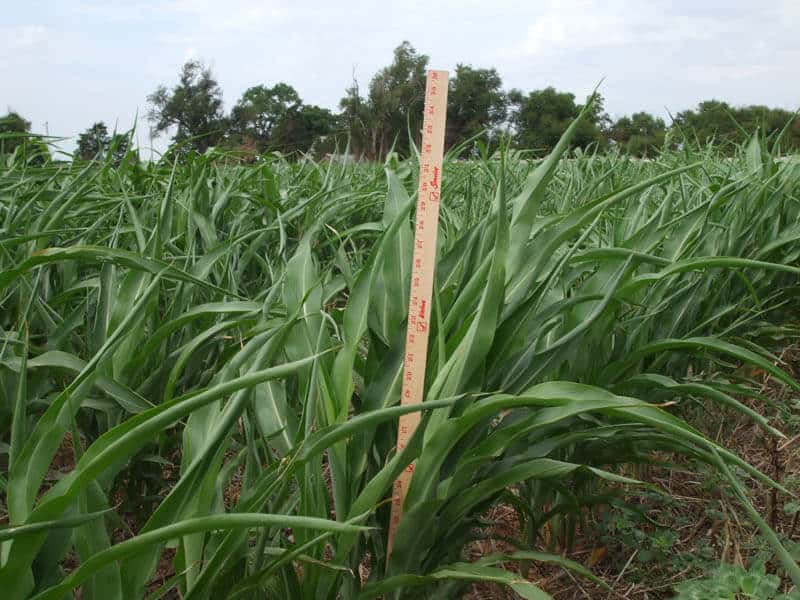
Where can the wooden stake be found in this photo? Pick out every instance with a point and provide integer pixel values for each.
(422, 276)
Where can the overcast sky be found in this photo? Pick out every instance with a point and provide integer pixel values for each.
(71, 63)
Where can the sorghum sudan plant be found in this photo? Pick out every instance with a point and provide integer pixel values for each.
(200, 362)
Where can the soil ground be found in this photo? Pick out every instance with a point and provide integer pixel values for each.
(701, 523)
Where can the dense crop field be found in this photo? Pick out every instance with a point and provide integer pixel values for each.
(200, 363)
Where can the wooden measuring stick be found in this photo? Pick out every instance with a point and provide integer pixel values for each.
(422, 268)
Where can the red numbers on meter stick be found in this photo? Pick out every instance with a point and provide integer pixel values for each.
(423, 265)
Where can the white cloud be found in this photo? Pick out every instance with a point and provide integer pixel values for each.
(791, 9)
(230, 15)
(734, 72)
(25, 36)
(20, 44)
(205, 28)
(576, 25)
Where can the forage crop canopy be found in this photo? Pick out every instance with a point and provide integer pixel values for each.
(200, 361)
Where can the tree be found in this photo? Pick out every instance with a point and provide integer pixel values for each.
(96, 143)
(397, 99)
(712, 122)
(475, 103)
(540, 118)
(118, 147)
(275, 118)
(358, 119)
(13, 128)
(393, 106)
(194, 106)
(718, 123)
(640, 134)
(15, 138)
(301, 127)
(260, 110)
(93, 142)
(771, 121)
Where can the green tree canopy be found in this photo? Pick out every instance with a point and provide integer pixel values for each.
(302, 127)
(194, 106)
(96, 143)
(640, 134)
(357, 118)
(118, 147)
(93, 142)
(275, 118)
(719, 123)
(12, 125)
(712, 122)
(397, 97)
(389, 115)
(475, 103)
(393, 106)
(542, 116)
(260, 110)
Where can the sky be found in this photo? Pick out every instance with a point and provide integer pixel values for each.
(65, 64)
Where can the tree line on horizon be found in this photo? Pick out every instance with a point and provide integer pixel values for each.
(387, 115)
